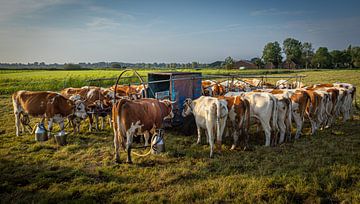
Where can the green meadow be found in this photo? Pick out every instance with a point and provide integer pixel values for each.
(324, 168)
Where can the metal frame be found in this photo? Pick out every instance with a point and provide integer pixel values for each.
(263, 78)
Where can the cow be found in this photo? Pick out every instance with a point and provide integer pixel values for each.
(300, 100)
(210, 114)
(99, 105)
(347, 108)
(50, 105)
(137, 116)
(212, 88)
(263, 108)
(131, 91)
(235, 85)
(315, 111)
(238, 118)
(283, 84)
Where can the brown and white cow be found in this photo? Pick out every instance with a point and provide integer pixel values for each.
(315, 111)
(238, 121)
(131, 91)
(50, 105)
(263, 108)
(212, 88)
(137, 116)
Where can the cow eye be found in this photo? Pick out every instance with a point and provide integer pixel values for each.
(78, 108)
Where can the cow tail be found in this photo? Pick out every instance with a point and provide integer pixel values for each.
(289, 112)
(274, 114)
(120, 129)
(246, 125)
(218, 116)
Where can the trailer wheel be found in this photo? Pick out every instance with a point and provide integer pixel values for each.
(189, 126)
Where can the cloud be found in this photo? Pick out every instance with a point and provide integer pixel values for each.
(100, 23)
(15, 8)
(276, 12)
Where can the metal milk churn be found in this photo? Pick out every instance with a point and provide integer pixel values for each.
(40, 132)
(157, 142)
(60, 138)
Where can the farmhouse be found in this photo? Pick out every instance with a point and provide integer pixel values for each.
(244, 64)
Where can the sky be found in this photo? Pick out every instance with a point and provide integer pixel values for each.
(69, 31)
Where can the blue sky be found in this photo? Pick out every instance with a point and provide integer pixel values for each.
(59, 31)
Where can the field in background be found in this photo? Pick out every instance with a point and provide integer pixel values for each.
(320, 168)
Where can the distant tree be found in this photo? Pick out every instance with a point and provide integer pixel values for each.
(194, 65)
(307, 53)
(292, 50)
(229, 63)
(346, 58)
(337, 58)
(116, 65)
(72, 66)
(322, 58)
(355, 56)
(258, 62)
(272, 53)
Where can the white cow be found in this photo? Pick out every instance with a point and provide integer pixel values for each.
(347, 108)
(263, 107)
(210, 114)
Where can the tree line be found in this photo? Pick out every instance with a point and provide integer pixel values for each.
(304, 56)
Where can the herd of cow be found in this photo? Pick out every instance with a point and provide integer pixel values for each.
(226, 108)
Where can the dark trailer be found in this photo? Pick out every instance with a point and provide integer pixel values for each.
(176, 86)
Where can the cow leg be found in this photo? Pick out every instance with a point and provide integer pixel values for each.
(199, 135)
(61, 125)
(282, 128)
(17, 123)
(299, 123)
(102, 123)
(129, 138)
(313, 126)
(50, 126)
(235, 137)
(146, 137)
(117, 146)
(267, 131)
(90, 122)
(288, 129)
(110, 122)
(210, 131)
(96, 122)
(219, 136)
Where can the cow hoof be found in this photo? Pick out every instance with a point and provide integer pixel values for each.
(233, 147)
(129, 162)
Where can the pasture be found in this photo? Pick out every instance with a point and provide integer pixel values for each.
(324, 168)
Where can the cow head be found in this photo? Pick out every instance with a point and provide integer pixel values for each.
(188, 107)
(80, 110)
(169, 109)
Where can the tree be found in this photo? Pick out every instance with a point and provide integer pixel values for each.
(72, 66)
(229, 63)
(272, 53)
(337, 58)
(307, 53)
(258, 62)
(292, 49)
(355, 56)
(116, 65)
(194, 65)
(322, 58)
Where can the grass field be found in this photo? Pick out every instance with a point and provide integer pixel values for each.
(324, 168)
